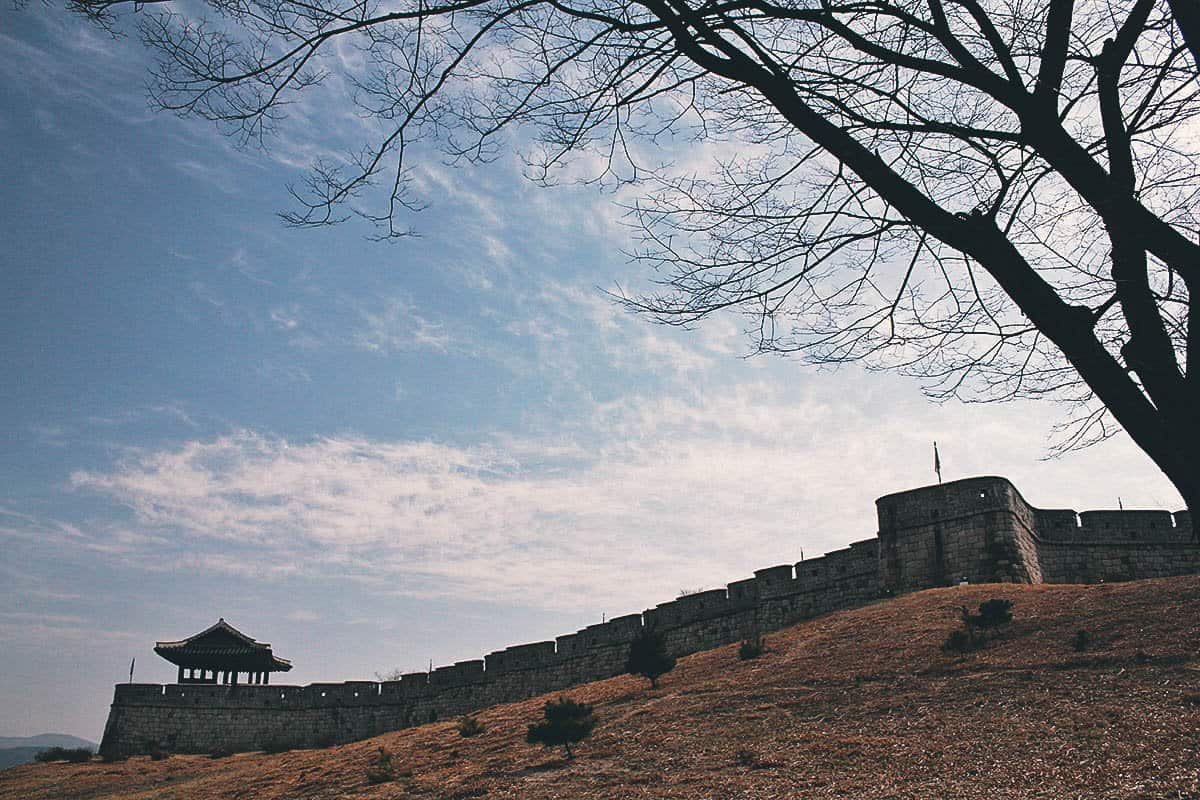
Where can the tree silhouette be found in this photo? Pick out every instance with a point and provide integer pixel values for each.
(565, 723)
(648, 657)
(998, 196)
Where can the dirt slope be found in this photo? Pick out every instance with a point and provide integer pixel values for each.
(859, 704)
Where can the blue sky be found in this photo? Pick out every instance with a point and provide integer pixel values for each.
(376, 455)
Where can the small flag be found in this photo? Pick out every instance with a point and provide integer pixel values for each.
(1120, 505)
(937, 463)
(131, 663)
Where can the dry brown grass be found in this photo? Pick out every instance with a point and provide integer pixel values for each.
(859, 704)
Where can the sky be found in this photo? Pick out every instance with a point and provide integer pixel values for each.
(378, 456)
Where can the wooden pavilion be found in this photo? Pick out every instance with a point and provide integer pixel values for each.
(219, 654)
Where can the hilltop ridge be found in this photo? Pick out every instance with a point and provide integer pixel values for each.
(859, 703)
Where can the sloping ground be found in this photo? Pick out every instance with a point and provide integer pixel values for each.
(859, 704)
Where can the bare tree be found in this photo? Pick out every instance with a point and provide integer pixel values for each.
(997, 195)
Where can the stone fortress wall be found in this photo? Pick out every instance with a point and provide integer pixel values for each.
(977, 529)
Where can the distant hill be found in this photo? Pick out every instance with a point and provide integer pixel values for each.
(21, 749)
(45, 740)
(858, 704)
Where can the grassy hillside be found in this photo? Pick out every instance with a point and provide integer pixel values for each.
(859, 704)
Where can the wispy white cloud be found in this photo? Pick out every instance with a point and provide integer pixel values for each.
(138, 414)
(285, 317)
(52, 435)
(283, 374)
(399, 325)
(678, 491)
(41, 632)
(221, 175)
(32, 527)
(555, 519)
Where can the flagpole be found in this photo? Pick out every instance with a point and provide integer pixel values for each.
(937, 463)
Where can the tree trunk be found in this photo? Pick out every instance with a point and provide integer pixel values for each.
(1174, 449)
(1185, 474)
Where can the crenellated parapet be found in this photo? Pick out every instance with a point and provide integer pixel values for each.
(982, 529)
(1113, 526)
(977, 529)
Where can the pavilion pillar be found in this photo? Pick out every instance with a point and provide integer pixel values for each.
(266, 677)
(180, 678)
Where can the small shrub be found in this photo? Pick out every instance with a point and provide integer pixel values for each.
(751, 648)
(221, 752)
(1081, 640)
(382, 768)
(1142, 657)
(1191, 698)
(325, 741)
(159, 753)
(959, 641)
(747, 757)
(648, 658)
(469, 726)
(565, 723)
(72, 755)
(992, 614)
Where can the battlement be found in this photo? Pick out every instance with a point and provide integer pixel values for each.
(977, 529)
(1114, 526)
(521, 656)
(947, 501)
(982, 529)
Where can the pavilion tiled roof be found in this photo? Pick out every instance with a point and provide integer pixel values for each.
(222, 646)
